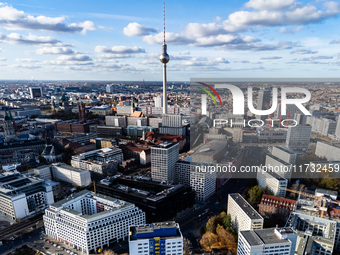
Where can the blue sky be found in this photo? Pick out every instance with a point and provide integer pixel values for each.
(121, 40)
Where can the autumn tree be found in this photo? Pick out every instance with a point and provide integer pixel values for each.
(109, 252)
(208, 240)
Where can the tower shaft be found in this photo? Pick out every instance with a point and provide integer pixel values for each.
(165, 91)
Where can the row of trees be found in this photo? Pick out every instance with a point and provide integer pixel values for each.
(219, 234)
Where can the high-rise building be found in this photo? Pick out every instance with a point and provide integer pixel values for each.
(109, 88)
(337, 129)
(35, 92)
(163, 161)
(87, 221)
(270, 241)
(204, 104)
(331, 152)
(158, 101)
(274, 182)
(298, 137)
(243, 215)
(157, 238)
(172, 125)
(263, 102)
(203, 183)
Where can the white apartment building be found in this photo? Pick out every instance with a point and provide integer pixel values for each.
(63, 172)
(271, 241)
(273, 181)
(298, 137)
(88, 221)
(243, 215)
(22, 195)
(330, 152)
(163, 161)
(102, 162)
(282, 168)
(284, 153)
(321, 126)
(203, 183)
(156, 238)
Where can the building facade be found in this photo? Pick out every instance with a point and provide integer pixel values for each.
(163, 161)
(243, 215)
(88, 221)
(158, 238)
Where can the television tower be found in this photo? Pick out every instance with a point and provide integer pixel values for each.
(164, 58)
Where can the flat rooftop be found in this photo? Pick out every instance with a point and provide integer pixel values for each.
(266, 236)
(246, 207)
(165, 230)
(114, 204)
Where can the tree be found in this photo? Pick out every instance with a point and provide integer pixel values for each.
(186, 247)
(109, 252)
(208, 240)
(254, 195)
(211, 224)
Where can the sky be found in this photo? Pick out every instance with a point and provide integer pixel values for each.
(122, 40)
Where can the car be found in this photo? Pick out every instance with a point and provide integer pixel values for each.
(68, 251)
(58, 246)
(55, 245)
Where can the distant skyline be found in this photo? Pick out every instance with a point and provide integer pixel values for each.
(121, 40)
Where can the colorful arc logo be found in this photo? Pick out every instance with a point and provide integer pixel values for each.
(209, 93)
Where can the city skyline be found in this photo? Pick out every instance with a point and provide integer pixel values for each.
(123, 40)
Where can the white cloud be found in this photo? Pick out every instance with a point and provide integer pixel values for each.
(135, 29)
(77, 57)
(13, 19)
(55, 50)
(270, 4)
(15, 38)
(119, 49)
(26, 60)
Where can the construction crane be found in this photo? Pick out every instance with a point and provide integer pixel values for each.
(321, 199)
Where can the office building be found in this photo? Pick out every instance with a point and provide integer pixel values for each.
(316, 236)
(159, 201)
(270, 241)
(298, 137)
(203, 183)
(87, 221)
(157, 238)
(22, 195)
(243, 215)
(101, 163)
(273, 181)
(35, 92)
(115, 121)
(163, 161)
(172, 125)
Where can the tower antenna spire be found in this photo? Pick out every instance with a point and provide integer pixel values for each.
(164, 22)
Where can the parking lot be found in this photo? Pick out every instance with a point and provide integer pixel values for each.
(51, 246)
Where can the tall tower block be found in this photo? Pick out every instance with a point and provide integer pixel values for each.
(164, 58)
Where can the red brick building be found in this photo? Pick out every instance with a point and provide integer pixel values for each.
(276, 205)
